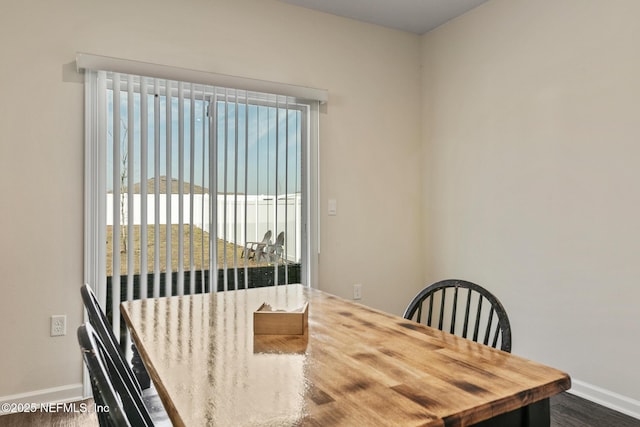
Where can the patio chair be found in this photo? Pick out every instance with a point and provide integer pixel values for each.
(253, 248)
(273, 252)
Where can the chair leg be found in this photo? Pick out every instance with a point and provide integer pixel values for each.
(138, 369)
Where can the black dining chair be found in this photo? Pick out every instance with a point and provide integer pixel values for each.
(99, 321)
(116, 403)
(102, 328)
(462, 308)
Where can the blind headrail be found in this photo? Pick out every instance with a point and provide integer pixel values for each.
(86, 61)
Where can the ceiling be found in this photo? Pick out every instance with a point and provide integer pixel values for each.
(415, 16)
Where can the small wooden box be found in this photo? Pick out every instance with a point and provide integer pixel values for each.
(268, 322)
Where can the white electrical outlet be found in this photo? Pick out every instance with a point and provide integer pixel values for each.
(357, 291)
(58, 325)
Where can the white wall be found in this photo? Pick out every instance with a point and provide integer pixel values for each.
(531, 127)
(370, 141)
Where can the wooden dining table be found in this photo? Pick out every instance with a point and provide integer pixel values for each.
(352, 366)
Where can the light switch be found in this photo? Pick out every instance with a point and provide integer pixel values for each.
(333, 207)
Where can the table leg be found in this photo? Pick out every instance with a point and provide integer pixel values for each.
(537, 414)
(138, 369)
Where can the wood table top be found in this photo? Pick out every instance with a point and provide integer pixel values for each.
(355, 365)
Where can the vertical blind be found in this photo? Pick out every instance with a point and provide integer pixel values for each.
(193, 173)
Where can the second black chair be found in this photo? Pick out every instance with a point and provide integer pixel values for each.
(102, 328)
(117, 404)
(441, 301)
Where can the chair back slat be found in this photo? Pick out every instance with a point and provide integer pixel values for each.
(453, 311)
(430, 311)
(442, 301)
(496, 335)
(477, 316)
(488, 329)
(476, 329)
(466, 314)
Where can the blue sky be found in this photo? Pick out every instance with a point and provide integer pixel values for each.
(259, 147)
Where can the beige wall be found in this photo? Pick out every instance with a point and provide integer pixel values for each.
(370, 145)
(531, 126)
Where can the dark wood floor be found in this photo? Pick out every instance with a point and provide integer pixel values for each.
(567, 410)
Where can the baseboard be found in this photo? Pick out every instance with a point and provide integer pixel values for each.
(67, 393)
(606, 398)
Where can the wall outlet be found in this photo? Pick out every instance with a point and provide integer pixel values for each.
(357, 291)
(59, 325)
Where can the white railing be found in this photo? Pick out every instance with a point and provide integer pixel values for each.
(261, 213)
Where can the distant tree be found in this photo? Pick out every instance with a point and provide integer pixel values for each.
(124, 160)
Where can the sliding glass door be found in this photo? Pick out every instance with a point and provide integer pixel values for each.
(193, 188)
